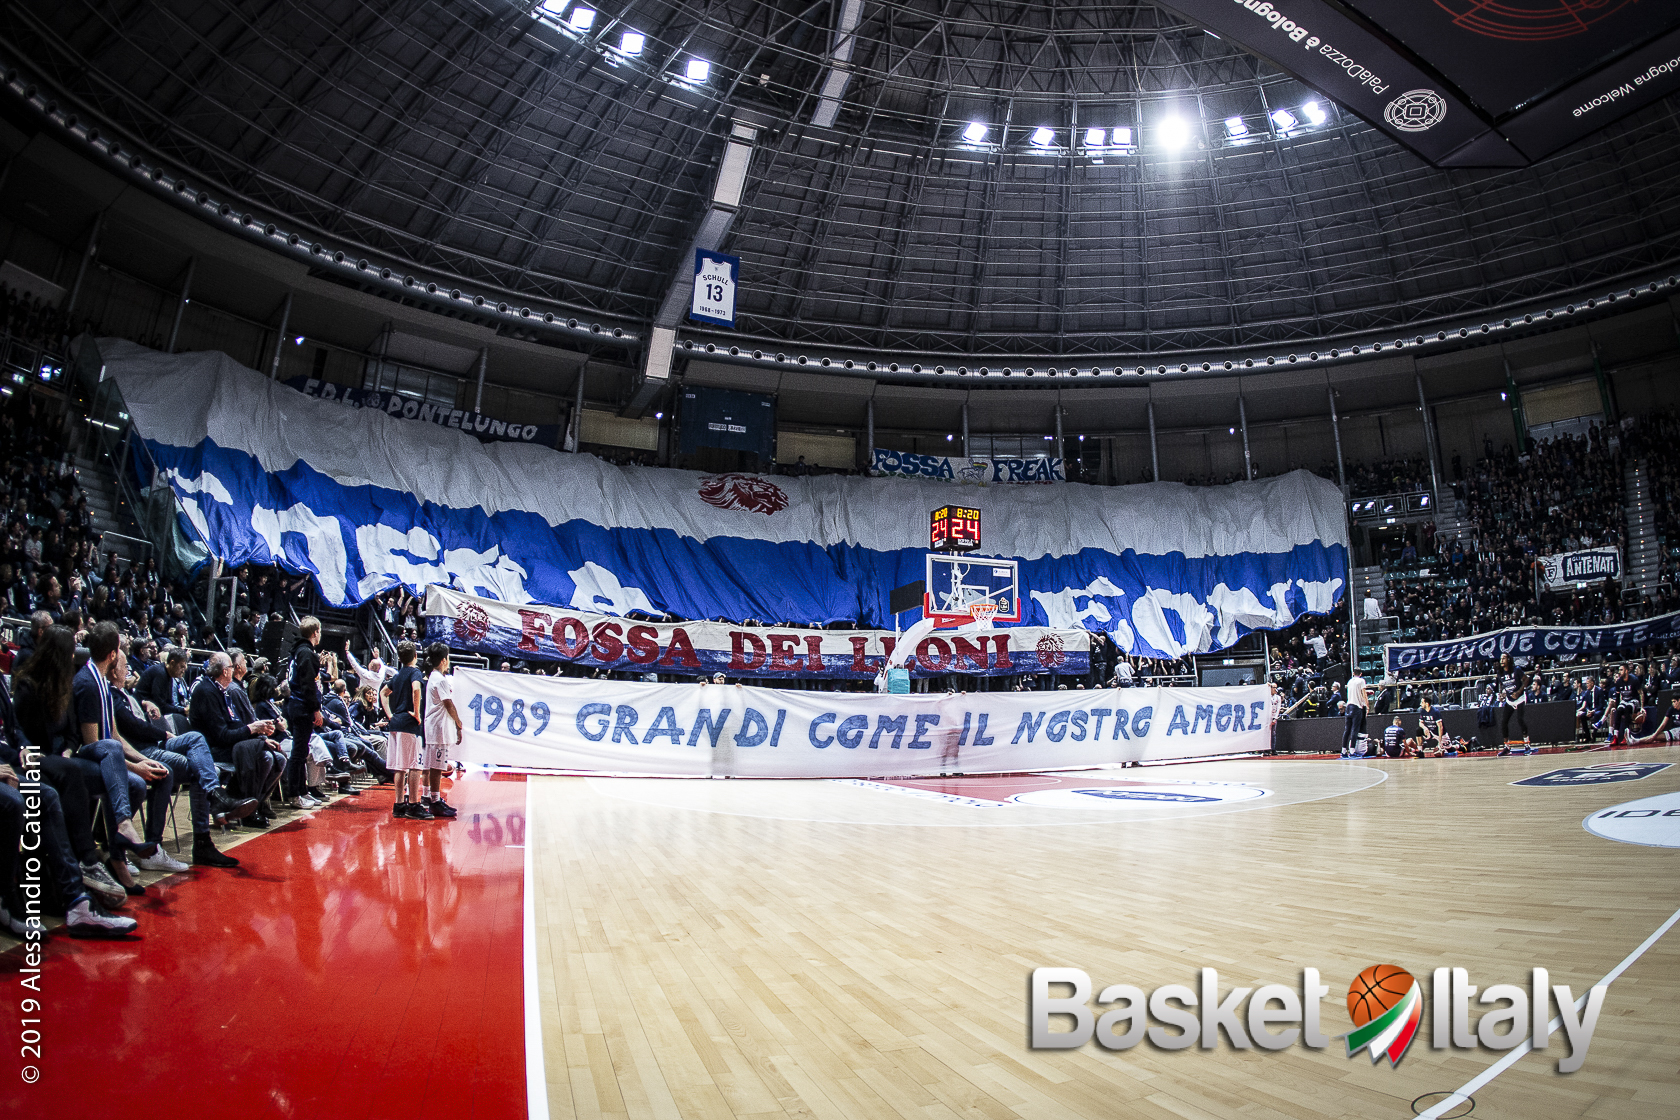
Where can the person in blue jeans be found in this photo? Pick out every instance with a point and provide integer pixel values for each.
(21, 912)
(91, 695)
(43, 692)
(188, 757)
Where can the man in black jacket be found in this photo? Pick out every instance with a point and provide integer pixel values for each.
(161, 683)
(303, 706)
(246, 712)
(245, 745)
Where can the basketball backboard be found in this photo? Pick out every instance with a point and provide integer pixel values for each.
(954, 583)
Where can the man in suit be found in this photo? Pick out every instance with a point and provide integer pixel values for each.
(243, 744)
(162, 683)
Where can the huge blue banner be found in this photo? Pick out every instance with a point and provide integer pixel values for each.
(365, 503)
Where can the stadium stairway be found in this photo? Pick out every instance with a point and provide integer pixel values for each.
(1368, 581)
(1643, 551)
(96, 476)
(1372, 632)
(1450, 523)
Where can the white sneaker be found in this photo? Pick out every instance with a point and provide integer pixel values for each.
(304, 801)
(163, 861)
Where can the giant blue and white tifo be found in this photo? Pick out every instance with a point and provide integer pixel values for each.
(366, 501)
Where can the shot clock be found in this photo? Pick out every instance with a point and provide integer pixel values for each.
(954, 529)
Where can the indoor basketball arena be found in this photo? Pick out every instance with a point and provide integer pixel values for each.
(840, 560)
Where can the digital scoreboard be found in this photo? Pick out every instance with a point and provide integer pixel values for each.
(954, 529)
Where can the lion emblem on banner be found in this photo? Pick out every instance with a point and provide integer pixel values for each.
(471, 624)
(1050, 652)
(743, 491)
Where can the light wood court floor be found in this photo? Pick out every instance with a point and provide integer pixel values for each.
(700, 963)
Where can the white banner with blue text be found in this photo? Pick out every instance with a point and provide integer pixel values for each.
(717, 730)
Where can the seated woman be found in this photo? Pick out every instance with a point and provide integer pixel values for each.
(45, 714)
(366, 710)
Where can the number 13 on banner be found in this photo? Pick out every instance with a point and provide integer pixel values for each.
(714, 287)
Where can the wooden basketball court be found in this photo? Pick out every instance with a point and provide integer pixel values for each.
(841, 950)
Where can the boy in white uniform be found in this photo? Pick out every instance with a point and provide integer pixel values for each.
(443, 728)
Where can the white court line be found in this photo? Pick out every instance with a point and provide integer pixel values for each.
(1470, 1087)
(536, 1079)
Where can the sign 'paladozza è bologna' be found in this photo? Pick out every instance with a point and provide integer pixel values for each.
(539, 632)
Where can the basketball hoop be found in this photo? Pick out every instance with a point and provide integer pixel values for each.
(982, 611)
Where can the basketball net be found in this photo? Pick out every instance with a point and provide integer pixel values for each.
(981, 612)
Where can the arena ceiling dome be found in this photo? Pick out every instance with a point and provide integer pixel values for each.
(929, 180)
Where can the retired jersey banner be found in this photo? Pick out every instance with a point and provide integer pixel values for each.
(363, 501)
(1535, 641)
(727, 730)
(534, 632)
(1589, 565)
(984, 472)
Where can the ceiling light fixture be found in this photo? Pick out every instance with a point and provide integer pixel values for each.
(975, 132)
(1235, 128)
(1043, 137)
(1315, 112)
(581, 19)
(1175, 133)
(698, 70)
(632, 43)
(1095, 137)
(1284, 121)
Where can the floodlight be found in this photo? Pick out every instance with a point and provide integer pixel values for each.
(1315, 112)
(1284, 121)
(632, 42)
(698, 70)
(581, 19)
(1174, 132)
(555, 7)
(1043, 137)
(1235, 128)
(298, 341)
(975, 132)
(1122, 137)
(1095, 137)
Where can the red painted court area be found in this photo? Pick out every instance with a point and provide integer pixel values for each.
(354, 965)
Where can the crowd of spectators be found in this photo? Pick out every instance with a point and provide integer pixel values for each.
(1657, 441)
(33, 320)
(103, 727)
(1564, 495)
(1388, 476)
(50, 557)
